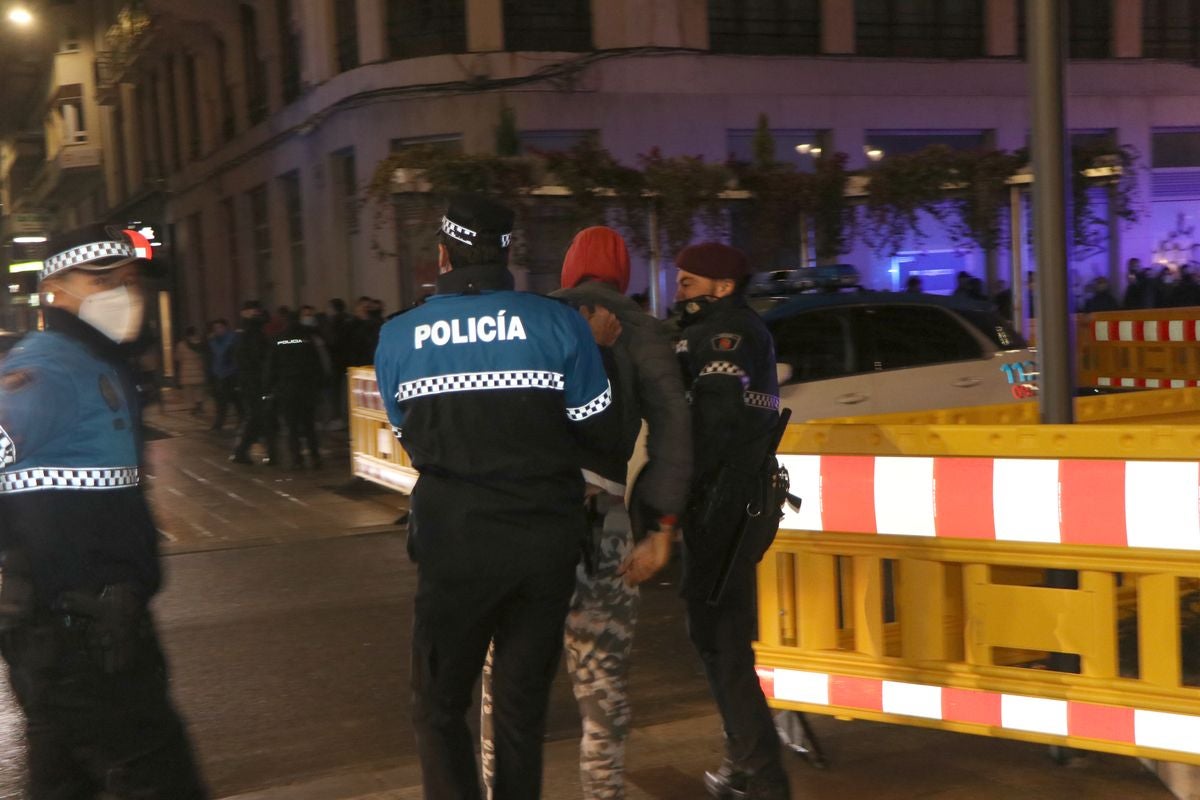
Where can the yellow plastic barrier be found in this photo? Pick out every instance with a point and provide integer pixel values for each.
(1155, 348)
(374, 452)
(909, 586)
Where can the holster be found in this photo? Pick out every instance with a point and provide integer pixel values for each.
(114, 623)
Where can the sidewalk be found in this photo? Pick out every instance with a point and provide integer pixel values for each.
(867, 760)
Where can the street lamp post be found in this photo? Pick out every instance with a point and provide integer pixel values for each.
(1045, 44)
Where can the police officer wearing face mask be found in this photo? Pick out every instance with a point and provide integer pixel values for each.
(728, 360)
(79, 547)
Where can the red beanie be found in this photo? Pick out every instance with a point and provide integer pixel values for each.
(597, 253)
(713, 260)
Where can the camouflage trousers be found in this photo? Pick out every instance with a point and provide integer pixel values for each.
(598, 640)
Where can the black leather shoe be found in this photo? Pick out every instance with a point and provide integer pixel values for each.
(726, 783)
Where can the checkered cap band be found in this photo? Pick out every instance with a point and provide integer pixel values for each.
(722, 368)
(8, 450)
(761, 400)
(85, 254)
(475, 381)
(594, 406)
(36, 478)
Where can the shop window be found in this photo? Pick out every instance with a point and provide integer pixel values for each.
(1175, 148)
(553, 141)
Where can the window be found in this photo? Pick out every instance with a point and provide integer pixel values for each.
(192, 86)
(1089, 29)
(253, 72)
(260, 233)
(225, 95)
(817, 345)
(230, 216)
(1178, 148)
(345, 22)
(563, 25)
(795, 146)
(154, 155)
(919, 28)
(195, 234)
(289, 185)
(345, 188)
(444, 143)
(896, 143)
(173, 116)
(74, 123)
(767, 27)
(915, 336)
(426, 27)
(553, 141)
(289, 51)
(1171, 29)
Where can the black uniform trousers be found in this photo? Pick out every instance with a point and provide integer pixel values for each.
(722, 635)
(225, 393)
(91, 731)
(258, 423)
(299, 410)
(458, 611)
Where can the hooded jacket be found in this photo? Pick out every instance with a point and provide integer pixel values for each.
(648, 381)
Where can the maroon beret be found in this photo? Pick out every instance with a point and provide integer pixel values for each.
(713, 260)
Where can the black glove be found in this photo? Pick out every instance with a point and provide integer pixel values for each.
(116, 620)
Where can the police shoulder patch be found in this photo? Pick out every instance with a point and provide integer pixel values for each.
(16, 380)
(726, 342)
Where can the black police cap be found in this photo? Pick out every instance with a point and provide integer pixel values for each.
(473, 219)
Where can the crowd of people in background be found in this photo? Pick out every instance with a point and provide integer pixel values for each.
(283, 369)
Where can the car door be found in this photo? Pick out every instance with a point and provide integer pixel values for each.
(924, 358)
(821, 374)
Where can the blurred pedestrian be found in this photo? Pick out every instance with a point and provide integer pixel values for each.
(914, 285)
(339, 338)
(600, 624)
(491, 392)
(1141, 291)
(293, 378)
(250, 354)
(1100, 298)
(728, 360)
(224, 372)
(78, 546)
(191, 369)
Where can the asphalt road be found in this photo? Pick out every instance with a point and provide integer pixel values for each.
(290, 661)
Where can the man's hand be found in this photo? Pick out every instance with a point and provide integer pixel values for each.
(606, 328)
(648, 557)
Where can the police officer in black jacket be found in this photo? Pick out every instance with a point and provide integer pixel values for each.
(78, 547)
(293, 377)
(729, 367)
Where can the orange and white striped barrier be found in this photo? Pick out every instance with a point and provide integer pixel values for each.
(1113, 503)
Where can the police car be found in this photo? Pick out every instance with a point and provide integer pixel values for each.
(853, 353)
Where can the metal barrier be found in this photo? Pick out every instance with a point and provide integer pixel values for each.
(908, 587)
(374, 452)
(1155, 348)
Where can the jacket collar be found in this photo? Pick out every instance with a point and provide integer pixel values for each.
(707, 308)
(475, 279)
(68, 324)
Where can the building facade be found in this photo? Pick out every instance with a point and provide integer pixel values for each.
(246, 133)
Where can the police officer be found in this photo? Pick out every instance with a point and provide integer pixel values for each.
(491, 392)
(729, 366)
(258, 407)
(293, 377)
(79, 546)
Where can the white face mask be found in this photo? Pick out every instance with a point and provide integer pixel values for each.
(117, 313)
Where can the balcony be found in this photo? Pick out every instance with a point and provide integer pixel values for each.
(73, 172)
(124, 41)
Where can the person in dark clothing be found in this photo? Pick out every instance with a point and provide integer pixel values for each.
(492, 392)
(78, 546)
(293, 377)
(1186, 291)
(1141, 292)
(224, 372)
(250, 355)
(728, 360)
(1100, 298)
(338, 333)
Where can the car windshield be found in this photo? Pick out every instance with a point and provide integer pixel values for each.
(995, 328)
